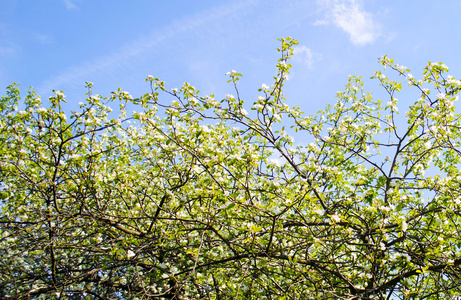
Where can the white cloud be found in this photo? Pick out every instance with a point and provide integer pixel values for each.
(320, 22)
(125, 56)
(42, 38)
(303, 54)
(350, 17)
(70, 5)
(10, 49)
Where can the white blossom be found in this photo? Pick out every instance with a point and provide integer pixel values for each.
(206, 129)
(275, 162)
(404, 226)
(336, 218)
(318, 211)
(401, 68)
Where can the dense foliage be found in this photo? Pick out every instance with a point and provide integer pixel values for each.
(202, 199)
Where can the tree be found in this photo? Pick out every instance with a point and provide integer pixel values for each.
(200, 199)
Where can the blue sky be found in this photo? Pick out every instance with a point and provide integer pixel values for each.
(60, 44)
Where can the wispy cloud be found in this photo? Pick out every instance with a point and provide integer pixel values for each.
(320, 22)
(303, 54)
(7, 49)
(7, 45)
(350, 16)
(70, 5)
(42, 38)
(124, 57)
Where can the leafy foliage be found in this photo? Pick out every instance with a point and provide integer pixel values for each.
(202, 199)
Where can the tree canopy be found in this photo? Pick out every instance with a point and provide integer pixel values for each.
(198, 197)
